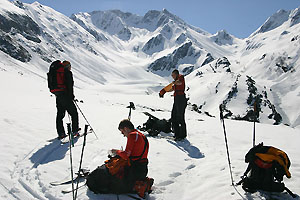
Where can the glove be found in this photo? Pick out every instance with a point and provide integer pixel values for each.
(161, 93)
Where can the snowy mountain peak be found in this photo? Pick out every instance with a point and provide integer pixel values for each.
(295, 16)
(222, 38)
(276, 20)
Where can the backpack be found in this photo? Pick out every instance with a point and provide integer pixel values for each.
(109, 178)
(267, 166)
(56, 77)
(154, 125)
(116, 166)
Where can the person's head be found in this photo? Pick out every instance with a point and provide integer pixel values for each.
(66, 64)
(125, 126)
(175, 74)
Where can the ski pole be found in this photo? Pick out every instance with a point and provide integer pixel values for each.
(81, 158)
(254, 119)
(222, 119)
(71, 162)
(85, 119)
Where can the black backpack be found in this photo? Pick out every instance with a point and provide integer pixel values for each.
(154, 125)
(267, 166)
(56, 77)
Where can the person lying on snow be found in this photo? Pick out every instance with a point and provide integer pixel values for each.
(127, 171)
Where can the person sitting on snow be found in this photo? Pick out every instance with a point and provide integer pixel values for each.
(137, 148)
(125, 171)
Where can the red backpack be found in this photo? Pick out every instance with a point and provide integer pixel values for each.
(56, 77)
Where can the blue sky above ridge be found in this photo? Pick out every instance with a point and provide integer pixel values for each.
(238, 17)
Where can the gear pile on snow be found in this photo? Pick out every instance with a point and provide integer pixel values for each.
(155, 125)
(267, 166)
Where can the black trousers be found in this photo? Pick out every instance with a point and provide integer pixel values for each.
(136, 172)
(177, 116)
(65, 103)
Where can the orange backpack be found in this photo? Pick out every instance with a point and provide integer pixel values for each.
(116, 166)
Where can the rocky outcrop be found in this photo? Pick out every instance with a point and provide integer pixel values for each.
(171, 61)
(12, 24)
(155, 44)
(11, 47)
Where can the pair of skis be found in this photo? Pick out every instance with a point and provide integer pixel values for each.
(80, 176)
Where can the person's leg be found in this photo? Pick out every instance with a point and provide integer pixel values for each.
(181, 116)
(137, 172)
(60, 115)
(72, 110)
(175, 125)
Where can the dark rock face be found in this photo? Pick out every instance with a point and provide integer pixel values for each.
(224, 63)
(188, 70)
(21, 24)
(208, 59)
(171, 61)
(281, 63)
(124, 34)
(182, 38)
(12, 48)
(155, 44)
(17, 24)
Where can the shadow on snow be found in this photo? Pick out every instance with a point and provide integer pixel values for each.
(49, 153)
(188, 148)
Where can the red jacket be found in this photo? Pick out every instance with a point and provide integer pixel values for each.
(135, 147)
(179, 89)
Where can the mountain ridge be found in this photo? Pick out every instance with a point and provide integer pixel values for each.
(110, 46)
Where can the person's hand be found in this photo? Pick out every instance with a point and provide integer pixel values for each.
(114, 151)
(161, 93)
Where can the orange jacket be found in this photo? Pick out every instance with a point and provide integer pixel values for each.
(135, 147)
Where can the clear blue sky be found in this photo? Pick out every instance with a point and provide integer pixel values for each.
(238, 17)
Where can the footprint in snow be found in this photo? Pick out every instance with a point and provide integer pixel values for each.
(165, 183)
(175, 174)
(191, 167)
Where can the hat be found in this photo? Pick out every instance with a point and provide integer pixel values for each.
(66, 64)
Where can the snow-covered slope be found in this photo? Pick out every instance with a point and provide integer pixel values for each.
(196, 168)
(270, 59)
(119, 57)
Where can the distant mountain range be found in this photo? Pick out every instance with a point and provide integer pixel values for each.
(108, 47)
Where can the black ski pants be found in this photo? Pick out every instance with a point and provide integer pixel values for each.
(177, 116)
(136, 172)
(65, 103)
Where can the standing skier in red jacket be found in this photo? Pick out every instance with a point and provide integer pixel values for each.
(180, 103)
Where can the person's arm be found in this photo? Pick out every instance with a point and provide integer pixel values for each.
(168, 88)
(69, 84)
(129, 147)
